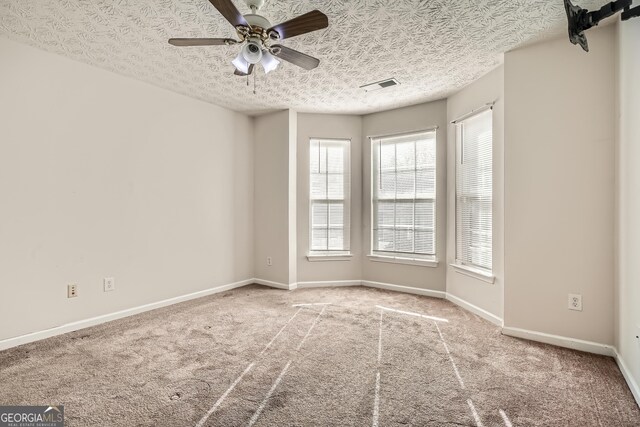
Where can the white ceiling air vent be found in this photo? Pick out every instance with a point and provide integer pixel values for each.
(380, 85)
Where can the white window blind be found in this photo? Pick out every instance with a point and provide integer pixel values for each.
(329, 196)
(474, 195)
(404, 195)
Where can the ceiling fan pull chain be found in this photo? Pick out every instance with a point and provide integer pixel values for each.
(254, 83)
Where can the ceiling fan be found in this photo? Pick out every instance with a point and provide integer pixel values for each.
(258, 35)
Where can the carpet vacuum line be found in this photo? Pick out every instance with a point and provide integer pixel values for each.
(446, 348)
(435, 320)
(472, 408)
(248, 369)
(505, 419)
(264, 402)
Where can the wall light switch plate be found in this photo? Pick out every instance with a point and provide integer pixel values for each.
(575, 302)
(109, 284)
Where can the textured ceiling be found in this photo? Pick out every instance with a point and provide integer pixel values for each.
(432, 47)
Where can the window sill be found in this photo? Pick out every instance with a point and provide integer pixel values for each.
(476, 273)
(407, 261)
(329, 257)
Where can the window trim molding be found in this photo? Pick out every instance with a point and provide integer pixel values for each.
(487, 106)
(471, 270)
(476, 273)
(428, 260)
(409, 132)
(319, 257)
(423, 262)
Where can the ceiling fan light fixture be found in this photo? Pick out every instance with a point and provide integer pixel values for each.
(269, 62)
(252, 51)
(241, 64)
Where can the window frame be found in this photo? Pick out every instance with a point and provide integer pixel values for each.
(331, 254)
(463, 266)
(409, 258)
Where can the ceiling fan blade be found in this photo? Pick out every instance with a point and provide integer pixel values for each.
(202, 42)
(240, 73)
(312, 21)
(297, 58)
(230, 12)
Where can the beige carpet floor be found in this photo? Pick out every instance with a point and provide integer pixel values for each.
(252, 357)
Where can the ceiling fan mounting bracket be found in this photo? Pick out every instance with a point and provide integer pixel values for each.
(255, 5)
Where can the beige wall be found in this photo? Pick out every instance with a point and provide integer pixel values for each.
(559, 180)
(274, 168)
(484, 295)
(105, 176)
(417, 117)
(339, 127)
(628, 199)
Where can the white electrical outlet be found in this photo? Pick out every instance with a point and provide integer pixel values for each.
(575, 302)
(72, 290)
(109, 284)
(269, 261)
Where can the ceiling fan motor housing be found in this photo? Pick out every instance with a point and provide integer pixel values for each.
(257, 30)
(257, 21)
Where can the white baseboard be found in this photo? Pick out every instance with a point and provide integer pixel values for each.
(93, 321)
(329, 284)
(276, 285)
(572, 343)
(626, 373)
(85, 323)
(406, 289)
(576, 344)
(475, 309)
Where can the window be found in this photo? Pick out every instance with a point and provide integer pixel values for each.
(404, 196)
(474, 191)
(329, 196)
